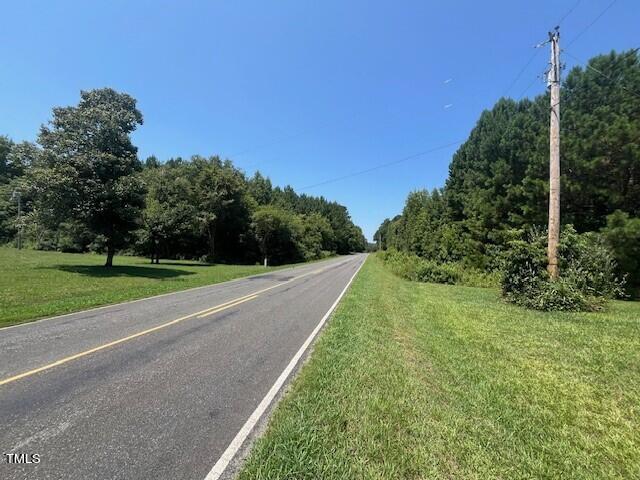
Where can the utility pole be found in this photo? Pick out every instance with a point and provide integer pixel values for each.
(553, 81)
(17, 197)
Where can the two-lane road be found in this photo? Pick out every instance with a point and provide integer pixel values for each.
(162, 388)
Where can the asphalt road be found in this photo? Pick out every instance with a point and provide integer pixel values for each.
(157, 388)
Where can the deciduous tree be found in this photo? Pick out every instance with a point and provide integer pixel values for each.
(88, 167)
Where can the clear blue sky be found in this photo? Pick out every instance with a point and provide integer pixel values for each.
(303, 90)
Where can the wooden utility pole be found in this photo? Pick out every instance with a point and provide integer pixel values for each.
(553, 81)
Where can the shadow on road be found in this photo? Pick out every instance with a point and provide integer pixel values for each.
(123, 271)
(271, 276)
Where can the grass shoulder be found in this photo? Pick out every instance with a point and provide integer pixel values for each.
(36, 284)
(414, 380)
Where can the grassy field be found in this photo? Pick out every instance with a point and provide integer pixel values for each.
(37, 284)
(425, 381)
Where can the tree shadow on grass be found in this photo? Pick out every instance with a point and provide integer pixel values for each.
(185, 264)
(98, 271)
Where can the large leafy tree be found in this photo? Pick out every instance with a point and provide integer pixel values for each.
(88, 168)
(317, 236)
(88, 190)
(169, 216)
(15, 161)
(221, 201)
(260, 189)
(601, 160)
(623, 236)
(278, 232)
(7, 213)
(5, 148)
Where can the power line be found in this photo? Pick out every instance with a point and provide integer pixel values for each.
(535, 54)
(383, 165)
(535, 79)
(562, 19)
(522, 70)
(592, 23)
(614, 81)
(511, 85)
(270, 144)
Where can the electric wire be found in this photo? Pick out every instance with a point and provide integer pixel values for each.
(535, 79)
(382, 165)
(448, 145)
(582, 32)
(604, 75)
(569, 12)
(535, 54)
(522, 70)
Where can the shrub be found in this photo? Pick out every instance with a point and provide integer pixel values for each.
(472, 277)
(622, 235)
(73, 237)
(415, 268)
(587, 272)
(430, 271)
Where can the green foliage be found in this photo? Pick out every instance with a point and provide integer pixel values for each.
(169, 214)
(86, 190)
(74, 237)
(622, 234)
(5, 149)
(85, 172)
(426, 381)
(260, 189)
(347, 237)
(196, 204)
(498, 178)
(278, 232)
(15, 161)
(415, 268)
(221, 201)
(587, 273)
(316, 237)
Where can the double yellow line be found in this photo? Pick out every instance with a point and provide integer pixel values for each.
(201, 314)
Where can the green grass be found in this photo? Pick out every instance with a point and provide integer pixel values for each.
(425, 381)
(37, 284)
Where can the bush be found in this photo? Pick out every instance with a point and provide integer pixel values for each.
(587, 273)
(622, 235)
(415, 268)
(73, 237)
(430, 271)
(472, 277)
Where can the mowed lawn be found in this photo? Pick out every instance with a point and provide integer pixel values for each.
(37, 284)
(422, 381)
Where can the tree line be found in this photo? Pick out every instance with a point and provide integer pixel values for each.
(82, 188)
(498, 179)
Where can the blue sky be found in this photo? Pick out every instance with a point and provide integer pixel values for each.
(303, 90)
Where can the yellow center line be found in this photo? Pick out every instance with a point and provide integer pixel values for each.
(120, 340)
(216, 310)
(201, 314)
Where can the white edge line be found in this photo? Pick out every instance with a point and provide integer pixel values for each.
(235, 445)
(233, 280)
